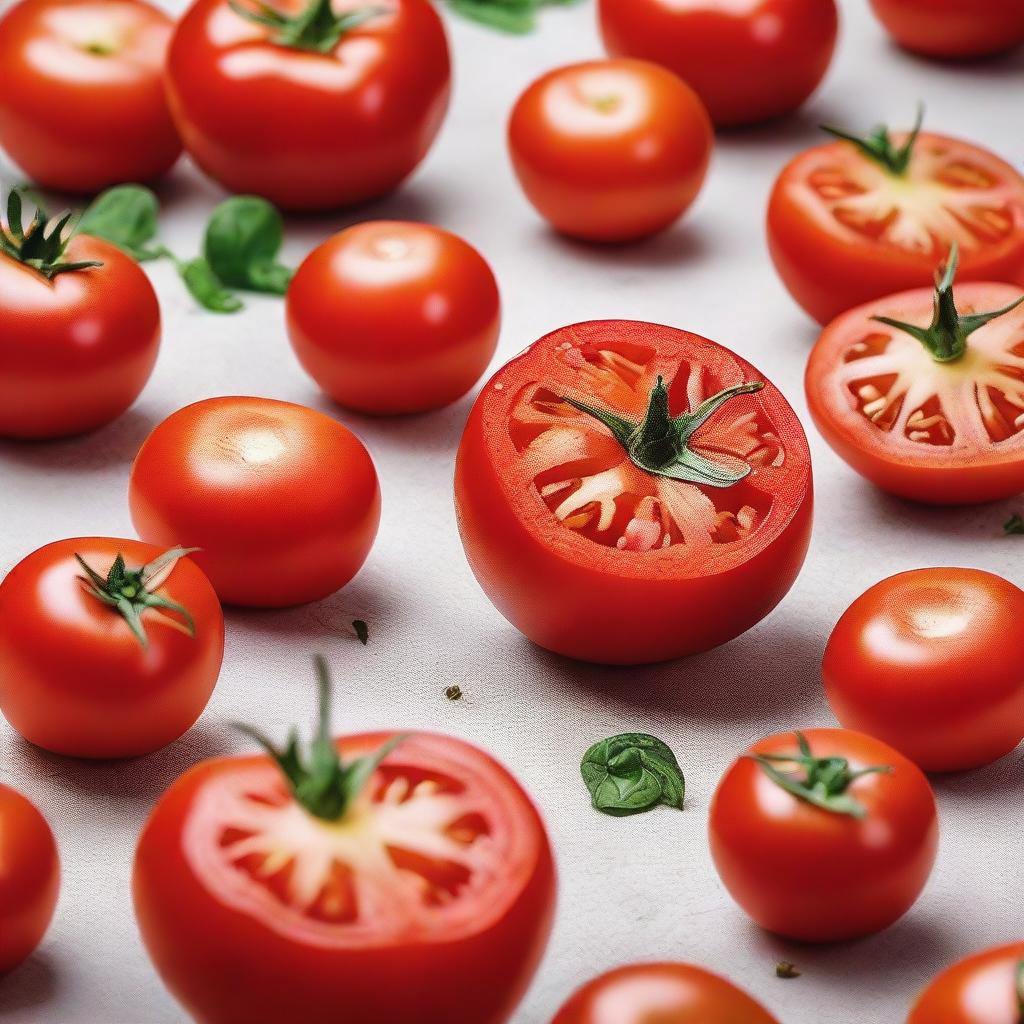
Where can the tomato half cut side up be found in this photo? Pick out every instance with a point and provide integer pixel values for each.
(629, 493)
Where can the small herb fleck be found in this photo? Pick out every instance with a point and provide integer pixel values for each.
(453, 693)
(784, 969)
(1014, 525)
(362, 631)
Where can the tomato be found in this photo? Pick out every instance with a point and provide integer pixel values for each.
(896, 665)
(987, 988)
(846, 227)
(392, 317)
(82, 101)
(283, 502)
(823, 835)
(81, 676)
(748, 60)
(610, 150)
(661, 993)
(617, 518)
(29, 877)
(311, 118)
(957, 29)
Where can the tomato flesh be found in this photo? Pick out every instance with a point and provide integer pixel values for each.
(981, 989)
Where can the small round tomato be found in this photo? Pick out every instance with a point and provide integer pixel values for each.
(858, 219)
(748, 61)
(377, 878)
(82, 101)
(953, 29)
(987, 988)
(898, 663)
(108, 648)
(612, 150)
(629, 493)
(392, 317)
(281, 501)
(823, 835)
(312, 104)
(661, 993)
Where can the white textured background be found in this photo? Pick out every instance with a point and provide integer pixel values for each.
(634, 888)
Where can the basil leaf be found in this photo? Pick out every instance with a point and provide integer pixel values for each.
(206, 287)
(632, 772)
(516, 18)
(126, 216)
(1014, 526)
(243, 238)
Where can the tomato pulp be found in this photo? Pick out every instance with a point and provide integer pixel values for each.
(584, 542)
(953, 29)
(987, 988)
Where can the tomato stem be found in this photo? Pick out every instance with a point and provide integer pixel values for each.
(316, 27)
(878, 146)
(42, 244)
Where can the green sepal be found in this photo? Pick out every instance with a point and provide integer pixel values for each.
(631, 773)
(316, 27)
(43, 243)
(879, 147)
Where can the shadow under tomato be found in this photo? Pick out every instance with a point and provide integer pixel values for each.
(994, 782)
(32, 983)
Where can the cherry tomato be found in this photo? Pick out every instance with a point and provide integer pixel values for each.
(629, 493)
(823, 835)
(113, 660)
(987, 988)
(283, 502)
(331, 105)
(391, 317)
(661, 993)
(29, 877)
(610, 150)
(846, 227)
(748, 61)
(82, 100)
(897, 662)
(957, 29)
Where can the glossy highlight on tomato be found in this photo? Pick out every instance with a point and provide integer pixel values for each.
(987, 988)
(953, 29)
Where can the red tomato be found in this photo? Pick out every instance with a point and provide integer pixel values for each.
(610, 150)
(82, 101)
(667, 993)
(29, 877)
(845, 228)
(897, 662)
(987, 988)
(321, 120)
(391, 317)
(820, 873)
(616, 541)
(955, 29)
(283, 502)
(748, 60)
(79, 677)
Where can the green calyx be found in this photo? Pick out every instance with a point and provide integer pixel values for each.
(946, 336)
(320, 781)
(660, 444)
(821, 781)
(132, 591)
(316, 28)
(42, 244)
(878, 146)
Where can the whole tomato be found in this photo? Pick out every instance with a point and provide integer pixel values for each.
(629, 493)
(896, 664)
(108, 647)
(748, 61)
(987, 988)
(610, 150)
(375, 878)
(823, 835)
(392, 317)
(314, 104)
(953, 29)
(281, 501)
(82, 101)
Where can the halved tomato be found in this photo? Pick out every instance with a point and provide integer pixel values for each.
(628, 492)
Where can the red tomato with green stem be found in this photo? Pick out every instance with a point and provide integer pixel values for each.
(610, 150)
(378, 878)
(108, 648)
(392, 317)
(748, 60)
(629, 493)
(859, 219)
(953, 29)
(314, 104)
(825, 835)
(987, 988)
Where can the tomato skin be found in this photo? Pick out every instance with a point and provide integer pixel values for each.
(953, 29)
(980, 989)
(896, 664)
(78, 121)
(610, 151)
(666, 993)
(813, 875)
(203, 947)
(784, 48)
(282, 501)
(309, 131)
(391, 317)
(75, 352)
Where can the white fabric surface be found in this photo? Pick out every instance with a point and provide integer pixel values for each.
(630, 889)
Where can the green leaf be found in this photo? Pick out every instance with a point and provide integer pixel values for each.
(362, 631)
(206, 287)
(243, 238)
(632, 772)
(125, 216)
(517, 17)
(1014, 526)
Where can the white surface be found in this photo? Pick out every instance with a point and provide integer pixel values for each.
(633, 888)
